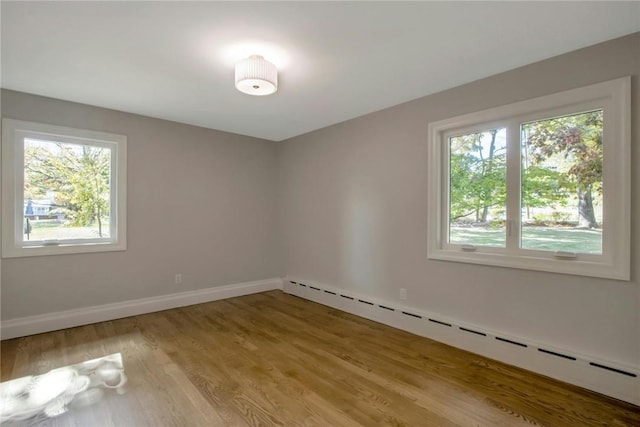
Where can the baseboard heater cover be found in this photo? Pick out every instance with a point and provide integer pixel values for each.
(608, 378)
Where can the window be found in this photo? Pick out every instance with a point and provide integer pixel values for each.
(542, 184)
(63, 190)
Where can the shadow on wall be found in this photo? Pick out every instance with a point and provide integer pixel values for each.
(364, 256)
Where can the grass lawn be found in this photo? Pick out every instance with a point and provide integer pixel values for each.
(533, 237)
(51, 229)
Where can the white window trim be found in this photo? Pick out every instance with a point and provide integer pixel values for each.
(614, 97)
(13, 133)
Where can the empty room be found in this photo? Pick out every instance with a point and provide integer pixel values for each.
(320, 213)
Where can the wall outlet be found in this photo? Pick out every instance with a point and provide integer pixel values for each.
(403, 294)
(178, 279)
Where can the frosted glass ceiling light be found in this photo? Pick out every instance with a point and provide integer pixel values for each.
(256, 76)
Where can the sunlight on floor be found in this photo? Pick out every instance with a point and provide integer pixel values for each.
(37, 397)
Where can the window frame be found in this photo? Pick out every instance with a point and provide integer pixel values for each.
(614, 98)
(14, 133)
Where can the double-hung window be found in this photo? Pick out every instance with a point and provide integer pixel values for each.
(63, 190)
(542, 184)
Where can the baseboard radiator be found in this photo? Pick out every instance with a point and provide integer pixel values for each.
(605, 377)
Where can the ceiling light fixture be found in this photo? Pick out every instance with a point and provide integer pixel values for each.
(256, 76)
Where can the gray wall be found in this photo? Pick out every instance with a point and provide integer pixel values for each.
(200, 202)
(354, 214)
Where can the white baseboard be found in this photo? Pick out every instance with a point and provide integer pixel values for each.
(602, 376)
(30, 325)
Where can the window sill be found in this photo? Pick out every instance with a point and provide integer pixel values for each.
(579, 266)
(61, 249)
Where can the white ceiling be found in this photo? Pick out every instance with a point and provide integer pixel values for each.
(174, 60)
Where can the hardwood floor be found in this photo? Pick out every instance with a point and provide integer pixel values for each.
(272, 359)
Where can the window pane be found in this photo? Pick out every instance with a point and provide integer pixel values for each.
(562, 183)
(66, 191)
(477, 188)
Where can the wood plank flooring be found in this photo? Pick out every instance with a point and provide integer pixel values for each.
(272, 359)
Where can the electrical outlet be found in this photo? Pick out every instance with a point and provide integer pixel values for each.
(403, 294)
(178, 279)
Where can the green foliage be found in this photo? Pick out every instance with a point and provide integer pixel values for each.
(562, 158)
(477, 175)
(577, 138)
(572, 143)
(78, 175)
(542, 187)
